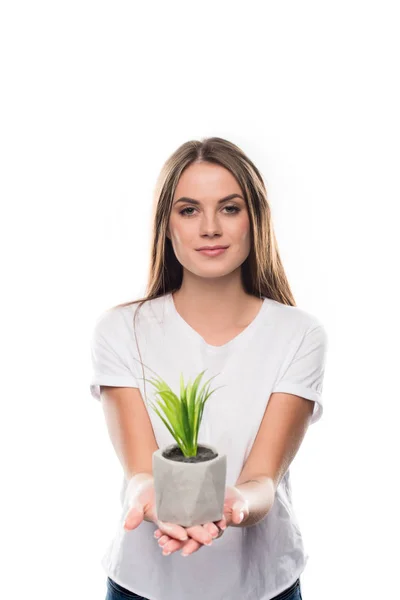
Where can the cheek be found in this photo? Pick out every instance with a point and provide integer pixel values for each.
(181, 233)
(243, 238)
(243, 231)
(245, 234)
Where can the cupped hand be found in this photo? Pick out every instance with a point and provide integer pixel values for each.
(142, 507)
(234, 505)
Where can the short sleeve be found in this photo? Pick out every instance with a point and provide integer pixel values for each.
(305, 373)
(109, 355)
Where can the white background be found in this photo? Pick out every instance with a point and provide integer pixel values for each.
(94, 97)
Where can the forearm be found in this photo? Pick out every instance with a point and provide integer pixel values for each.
(280, 434)
(260, 495)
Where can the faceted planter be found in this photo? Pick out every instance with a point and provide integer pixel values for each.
(189, 490)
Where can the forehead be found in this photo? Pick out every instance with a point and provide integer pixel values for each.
(201, 180)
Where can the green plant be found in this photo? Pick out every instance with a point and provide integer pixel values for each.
(182, 415)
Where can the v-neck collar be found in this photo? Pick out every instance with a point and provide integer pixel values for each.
(197, 338)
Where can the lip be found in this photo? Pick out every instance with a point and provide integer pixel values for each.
(217, 246)
(213, 251)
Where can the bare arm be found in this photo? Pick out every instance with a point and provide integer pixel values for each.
(130, 429)
(279, 437)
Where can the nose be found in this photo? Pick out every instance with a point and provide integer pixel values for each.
(209, 225)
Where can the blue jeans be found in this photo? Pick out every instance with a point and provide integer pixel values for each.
(117, 592)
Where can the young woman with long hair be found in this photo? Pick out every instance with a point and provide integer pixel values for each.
(230, 311)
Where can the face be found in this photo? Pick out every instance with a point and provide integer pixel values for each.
(209, 222)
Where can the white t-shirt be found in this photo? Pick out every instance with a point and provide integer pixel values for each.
(282, 350)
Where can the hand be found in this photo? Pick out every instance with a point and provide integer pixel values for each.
(142, 507)
(234, 504)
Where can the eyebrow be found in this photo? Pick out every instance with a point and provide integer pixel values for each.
(192, 201)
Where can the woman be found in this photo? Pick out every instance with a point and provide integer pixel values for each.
(230, 312)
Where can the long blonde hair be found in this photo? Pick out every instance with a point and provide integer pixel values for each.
(262, 271)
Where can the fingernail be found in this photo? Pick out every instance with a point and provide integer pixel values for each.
(184, 538)
(166, 553)
(241, 517)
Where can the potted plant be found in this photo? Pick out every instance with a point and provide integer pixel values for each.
(189, 479)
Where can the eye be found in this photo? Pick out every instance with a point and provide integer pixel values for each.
(183, 212)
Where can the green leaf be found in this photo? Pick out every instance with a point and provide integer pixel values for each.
(183, 415)
(174, 419)
(185, 421)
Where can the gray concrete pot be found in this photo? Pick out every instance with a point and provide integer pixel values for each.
(189, 491)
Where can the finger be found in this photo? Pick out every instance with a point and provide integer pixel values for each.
(190, 547)
(200, 534)
(237, 512)
(212, 529)
(174, 531)
(164, 539)
(171, 546)
(133, 517)
(222, 522)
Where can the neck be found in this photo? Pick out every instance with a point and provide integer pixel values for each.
(214, 307)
